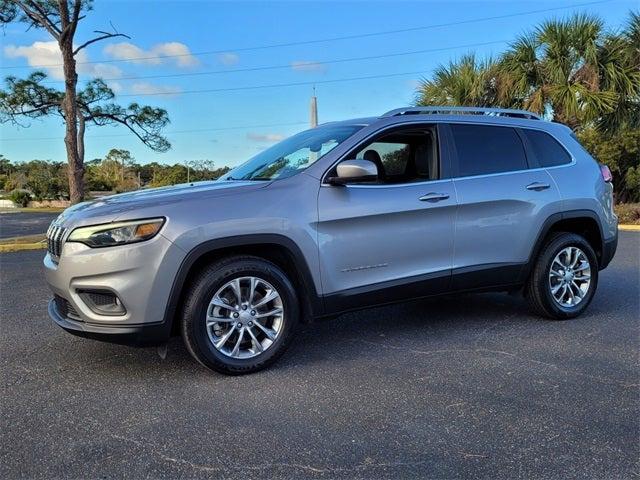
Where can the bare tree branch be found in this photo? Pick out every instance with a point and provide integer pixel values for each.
(97, 39)
(40, 17)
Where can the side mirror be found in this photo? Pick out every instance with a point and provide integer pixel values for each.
(354, 171)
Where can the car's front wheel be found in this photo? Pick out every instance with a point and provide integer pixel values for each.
(564, 277)
(239, 315)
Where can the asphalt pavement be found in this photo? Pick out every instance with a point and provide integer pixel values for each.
(471, 386)
(17, 224)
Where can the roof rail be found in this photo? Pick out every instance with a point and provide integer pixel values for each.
(497, 112)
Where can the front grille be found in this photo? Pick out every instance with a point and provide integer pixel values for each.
(65, 308)
(55, 236)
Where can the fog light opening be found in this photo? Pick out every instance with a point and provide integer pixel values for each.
(103, 302)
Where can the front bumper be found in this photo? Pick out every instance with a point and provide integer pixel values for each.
(134, 335)
(141, 275)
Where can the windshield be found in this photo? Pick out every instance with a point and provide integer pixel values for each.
(293, 154)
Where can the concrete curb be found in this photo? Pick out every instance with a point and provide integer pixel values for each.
(8, 248)
(629, 228)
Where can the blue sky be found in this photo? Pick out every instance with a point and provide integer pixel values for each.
(203, 124)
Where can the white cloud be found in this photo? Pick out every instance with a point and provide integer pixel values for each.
(176, 53)
(146, 88)
(116, 87)
(102, 70)
(308, 66)
(41, 54)
(228, 58)
(265, 137)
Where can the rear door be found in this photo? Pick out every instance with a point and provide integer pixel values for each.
(502, 204)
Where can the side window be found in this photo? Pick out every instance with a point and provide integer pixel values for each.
(394, 156)
(403, 156)
(547, 149)
(484, 149)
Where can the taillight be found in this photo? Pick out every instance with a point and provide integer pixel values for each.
(606, 173)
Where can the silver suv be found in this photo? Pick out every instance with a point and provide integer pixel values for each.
(348, 215)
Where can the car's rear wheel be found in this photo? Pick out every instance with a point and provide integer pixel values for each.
(564, 277)
(239, 315)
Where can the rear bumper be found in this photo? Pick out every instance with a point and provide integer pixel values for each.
(133, 335)
(609, 248)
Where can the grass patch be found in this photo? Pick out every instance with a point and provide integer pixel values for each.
(27, 242)
(32, 210)
(628, 213)
(39, 237)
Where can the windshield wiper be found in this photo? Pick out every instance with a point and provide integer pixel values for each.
(259, 179)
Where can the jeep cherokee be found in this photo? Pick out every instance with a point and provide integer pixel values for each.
(418, 202)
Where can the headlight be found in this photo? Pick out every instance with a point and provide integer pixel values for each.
(118, 233)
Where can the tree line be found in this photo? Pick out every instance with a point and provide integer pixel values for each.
(117, 172)
(574, 71)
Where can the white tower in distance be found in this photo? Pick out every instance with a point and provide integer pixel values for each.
(313, 110)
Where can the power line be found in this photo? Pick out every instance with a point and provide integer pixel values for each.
(329, 39)
(275, 85)
(324, 62)
(197, 130)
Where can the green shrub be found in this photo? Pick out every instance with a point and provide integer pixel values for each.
(621, 153)
(20, 197)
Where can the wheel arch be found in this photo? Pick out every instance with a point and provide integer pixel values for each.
(275, 248)
(582, 222)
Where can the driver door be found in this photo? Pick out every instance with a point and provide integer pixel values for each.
(392, 239)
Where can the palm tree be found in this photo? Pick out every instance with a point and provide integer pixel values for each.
(467, 82)
(619, 65)
(568, 69)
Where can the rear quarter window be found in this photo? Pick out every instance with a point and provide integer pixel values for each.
(547, 150)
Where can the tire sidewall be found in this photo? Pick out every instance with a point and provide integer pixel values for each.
(196, 316)
(569, 240)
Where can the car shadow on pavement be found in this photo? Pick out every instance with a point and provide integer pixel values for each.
(427, 322)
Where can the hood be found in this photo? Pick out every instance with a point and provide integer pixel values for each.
(110, 208)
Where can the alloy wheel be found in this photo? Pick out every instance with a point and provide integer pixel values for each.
(569, 277)
(245, 317)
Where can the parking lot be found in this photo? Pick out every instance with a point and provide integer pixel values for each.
(458, 387)
(16, 224)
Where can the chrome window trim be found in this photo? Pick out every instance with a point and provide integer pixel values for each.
(342, 158)
(392, 185)
(436, 122)
(573, 158)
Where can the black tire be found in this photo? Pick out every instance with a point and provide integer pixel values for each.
(202, 290)
(538, 291)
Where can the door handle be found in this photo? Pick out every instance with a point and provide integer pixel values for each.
(538, 186)
(433, 197)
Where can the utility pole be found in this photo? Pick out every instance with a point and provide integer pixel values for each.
(313, 110)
